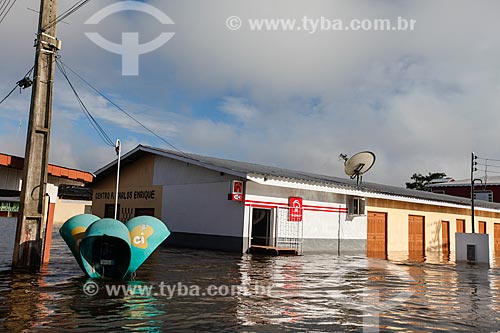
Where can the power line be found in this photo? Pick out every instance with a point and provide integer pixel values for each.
(23, 83)
(489, 165)
(66, 13)
(6, 10)
(8, 95)
(488, 159)
(3, 5)
(121, 109)
(488, 171)
(100, 131)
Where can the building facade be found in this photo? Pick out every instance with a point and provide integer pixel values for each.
(485, 188)
(63, 203)
(228, 205)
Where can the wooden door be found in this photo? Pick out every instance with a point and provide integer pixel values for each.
(445, 237)
(376, 242)
(482, 227)
(461, 226)
(497, 238)
(416, 238)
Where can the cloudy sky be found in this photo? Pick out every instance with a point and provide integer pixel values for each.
(421, 100)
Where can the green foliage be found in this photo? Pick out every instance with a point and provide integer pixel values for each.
(420, 181)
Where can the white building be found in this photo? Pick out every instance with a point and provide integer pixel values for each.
(195, 196)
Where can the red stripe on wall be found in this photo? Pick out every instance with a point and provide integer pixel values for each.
(341, 210)
(267, 204)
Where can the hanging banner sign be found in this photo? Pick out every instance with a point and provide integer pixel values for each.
(295, 209)
(12, 207)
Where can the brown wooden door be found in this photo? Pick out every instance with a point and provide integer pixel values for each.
(482, 227)
(445, 237)
(497, 239)
(416, 238)
(376, 242)
(461, 226)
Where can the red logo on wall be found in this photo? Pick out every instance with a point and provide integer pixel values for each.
(295, 209)
(236, 191)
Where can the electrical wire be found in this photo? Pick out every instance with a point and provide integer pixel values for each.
(66, 13)
(488, 159)
(121, 109)
(7, 9)
(8, 95)
(98, 128)
(18, 84)
(3, 5)
(489, 165)
(488, 171)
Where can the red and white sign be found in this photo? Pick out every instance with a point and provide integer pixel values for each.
(236, 191)
(295, 209)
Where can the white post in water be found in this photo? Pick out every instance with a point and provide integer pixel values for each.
(118, 148)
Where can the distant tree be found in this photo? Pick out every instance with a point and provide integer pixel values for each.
(420, 181)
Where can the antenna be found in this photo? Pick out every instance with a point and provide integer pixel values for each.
(358, 165)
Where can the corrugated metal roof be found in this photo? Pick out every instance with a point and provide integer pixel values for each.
(242, 169)
(492, 180)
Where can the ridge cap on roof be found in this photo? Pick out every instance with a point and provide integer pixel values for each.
(246, 169)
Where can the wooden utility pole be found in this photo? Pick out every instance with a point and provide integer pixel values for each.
(33, 202)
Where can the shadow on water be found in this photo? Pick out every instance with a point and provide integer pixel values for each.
(311, 293)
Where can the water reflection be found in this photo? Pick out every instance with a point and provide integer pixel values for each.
(318, 293)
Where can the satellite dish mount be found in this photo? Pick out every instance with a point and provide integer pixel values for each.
(359, 164)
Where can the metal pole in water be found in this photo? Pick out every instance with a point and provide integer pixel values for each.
(118, 148)
(472, 180)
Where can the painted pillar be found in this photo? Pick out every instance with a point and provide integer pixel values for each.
(48, 233)
(52, 192)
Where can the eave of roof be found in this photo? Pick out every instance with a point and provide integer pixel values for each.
(245, 170)
(17, 162)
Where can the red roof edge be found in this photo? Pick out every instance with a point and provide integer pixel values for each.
(54, 170)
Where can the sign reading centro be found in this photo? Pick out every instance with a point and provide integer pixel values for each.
(128, 195)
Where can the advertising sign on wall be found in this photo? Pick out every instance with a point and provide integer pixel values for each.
(295, 209)
(236, 191)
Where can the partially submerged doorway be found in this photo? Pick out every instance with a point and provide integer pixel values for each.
(261, 227)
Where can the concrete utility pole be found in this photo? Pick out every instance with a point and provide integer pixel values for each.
(33, 204)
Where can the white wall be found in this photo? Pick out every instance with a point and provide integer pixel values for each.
(195, 199)
(10, 178)
(317, 224)
(67, 208)
(483, 243)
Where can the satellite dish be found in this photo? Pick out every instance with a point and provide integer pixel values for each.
(358, 165)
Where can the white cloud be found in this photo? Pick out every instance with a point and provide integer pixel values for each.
(238, 108)
(420, 100)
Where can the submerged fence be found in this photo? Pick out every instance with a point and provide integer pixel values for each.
(289, 228)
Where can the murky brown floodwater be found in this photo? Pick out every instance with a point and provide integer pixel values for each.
(312, 293)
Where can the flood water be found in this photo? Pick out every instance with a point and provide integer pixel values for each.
(311, 293)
